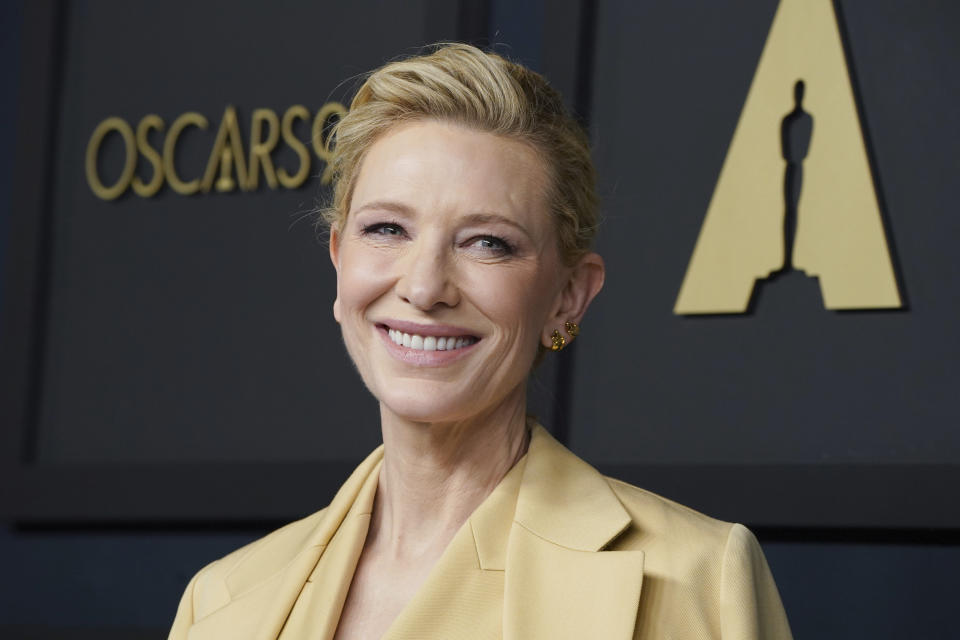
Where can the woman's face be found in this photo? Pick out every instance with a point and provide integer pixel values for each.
(448, 271)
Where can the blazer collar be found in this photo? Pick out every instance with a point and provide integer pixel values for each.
(559, 582)
(299, 570)
(553, 494)
(493, 519)
(565, 500)
(559, 498)
(263, 560)
(265, 585)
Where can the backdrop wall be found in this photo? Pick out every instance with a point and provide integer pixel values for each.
(144, 331)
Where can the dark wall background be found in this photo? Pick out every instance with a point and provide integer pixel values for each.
(789, 382)
(661, 85)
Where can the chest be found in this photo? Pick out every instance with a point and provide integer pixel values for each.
(378, 593)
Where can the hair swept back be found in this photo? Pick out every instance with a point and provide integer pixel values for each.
(459, 83)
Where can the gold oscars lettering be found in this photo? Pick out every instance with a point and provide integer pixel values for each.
(834, 230)
(231, 164)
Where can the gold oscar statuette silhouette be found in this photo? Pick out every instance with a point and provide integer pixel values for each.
(785, 201)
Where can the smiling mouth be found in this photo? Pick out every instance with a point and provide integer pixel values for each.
(420, 342)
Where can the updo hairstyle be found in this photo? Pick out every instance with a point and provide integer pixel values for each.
(461, 84)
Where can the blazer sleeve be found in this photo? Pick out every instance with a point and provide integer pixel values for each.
(750, 607)
(185, 616)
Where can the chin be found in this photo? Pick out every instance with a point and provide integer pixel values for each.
(427, 405)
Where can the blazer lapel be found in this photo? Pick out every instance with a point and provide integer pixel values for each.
(466, 584)
(260, 592)
(297, 572)
(559, 581)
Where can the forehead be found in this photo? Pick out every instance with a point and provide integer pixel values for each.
(442, 168)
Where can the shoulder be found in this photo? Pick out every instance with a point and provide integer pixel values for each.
(661, 518)
(661, 526)
(244, 570)
(288, 538)
(698, 567)
(250, 564)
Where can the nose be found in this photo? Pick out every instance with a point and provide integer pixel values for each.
(427, 278)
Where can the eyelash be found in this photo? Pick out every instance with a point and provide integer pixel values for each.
(375, 229)
(505, 248)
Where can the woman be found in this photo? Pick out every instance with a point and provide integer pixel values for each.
(463, 216)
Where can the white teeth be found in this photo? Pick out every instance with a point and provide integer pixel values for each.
(429, 343)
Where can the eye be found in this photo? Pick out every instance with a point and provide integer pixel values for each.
(492, 244)
(384, 229)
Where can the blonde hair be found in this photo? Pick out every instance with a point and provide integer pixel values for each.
(461, 84)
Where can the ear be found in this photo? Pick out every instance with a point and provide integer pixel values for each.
(335, 259)
(583, 284)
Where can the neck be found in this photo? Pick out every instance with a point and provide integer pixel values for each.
(434, 475)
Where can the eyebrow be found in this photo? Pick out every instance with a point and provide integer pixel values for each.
(387, 205)
(488, 218)
(472, 218)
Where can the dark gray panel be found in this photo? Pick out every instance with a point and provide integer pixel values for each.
(119, 579)
(10, 19)
(854, 590)
(790, 383)
(200, 328)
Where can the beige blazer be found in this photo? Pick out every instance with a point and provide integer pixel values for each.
(585, 556)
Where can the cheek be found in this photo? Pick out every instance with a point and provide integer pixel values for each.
(363, 277)
(517, 300)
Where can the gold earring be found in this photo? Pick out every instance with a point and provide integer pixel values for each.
(572, 328)
(557, 340)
